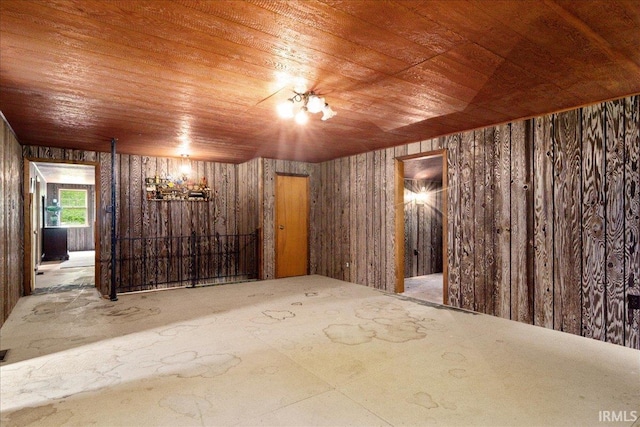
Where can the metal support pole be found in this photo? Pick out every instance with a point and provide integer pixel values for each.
(113, 296)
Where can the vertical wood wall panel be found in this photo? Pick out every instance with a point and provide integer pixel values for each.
(467, 220)
(361, 224)
(389, 207)
(614, 226)
(632, 219)
(479, 238)
(104, 218)
(502, 221)
(489, 265)
(593, 226)
(11, 226)
(543, 223)
(123, 277)
(6, 305)
(335, 230)
(567, 223)
(454, 229)
(521, 291)
(354, 249)
(344, 218)
(149, 223)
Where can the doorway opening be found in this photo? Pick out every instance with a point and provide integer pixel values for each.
(424, 223)
(60, 218)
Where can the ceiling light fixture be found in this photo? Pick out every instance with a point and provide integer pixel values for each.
(311, 103)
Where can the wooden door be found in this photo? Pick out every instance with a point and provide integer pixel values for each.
(292, 225)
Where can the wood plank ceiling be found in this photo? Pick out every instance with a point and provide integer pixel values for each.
(161, 74)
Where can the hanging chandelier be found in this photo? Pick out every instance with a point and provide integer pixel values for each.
(309, 102)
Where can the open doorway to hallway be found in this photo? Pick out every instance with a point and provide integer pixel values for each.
(423, 228)
(58, 276)
(62, 208)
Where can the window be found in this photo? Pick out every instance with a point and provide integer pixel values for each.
(74, 207)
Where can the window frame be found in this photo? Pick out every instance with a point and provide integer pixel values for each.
(85, 207)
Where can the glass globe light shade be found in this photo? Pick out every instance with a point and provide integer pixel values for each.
(302, 117)
(285, 109)
(315, 104)
(327, 112)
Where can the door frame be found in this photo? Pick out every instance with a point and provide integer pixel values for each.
(275, 220)
(399, 223)
(28, 267)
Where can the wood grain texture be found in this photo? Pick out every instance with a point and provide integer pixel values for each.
(11, 288)
(268, 219)
(370, 227)
(11, 231)
(104, 217)
(521, 270)
(437, 233)
(361, 261)
(614, 225)
(345, 208)
(467, 220)
(593, 223)
(394, 264)
(397, 72)
(337, 188)
(632, 218)
(502, 220)
(454, 232)
(479, 222)
(567, 223)
(382, 218)
(543, 222)
(489, 265)
(149, 223)
(125, 251)
(354, 249)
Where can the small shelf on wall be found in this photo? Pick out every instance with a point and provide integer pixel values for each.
(177, 189)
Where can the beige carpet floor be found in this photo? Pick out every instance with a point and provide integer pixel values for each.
(301, 352)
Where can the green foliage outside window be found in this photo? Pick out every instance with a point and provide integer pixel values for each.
(74, 207)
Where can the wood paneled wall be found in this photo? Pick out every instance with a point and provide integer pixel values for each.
(138, 217)
(78, 238)
(423, 229)
(543, 219)
(271, 168)
(354, 219)
(250, 196)
(11, 227)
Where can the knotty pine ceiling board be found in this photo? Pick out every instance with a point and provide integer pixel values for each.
(157, 74)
